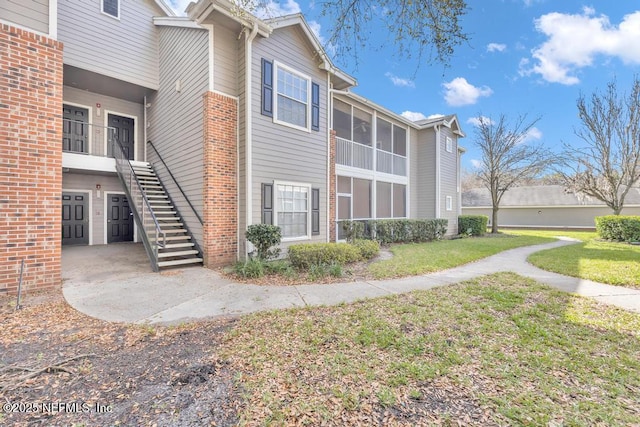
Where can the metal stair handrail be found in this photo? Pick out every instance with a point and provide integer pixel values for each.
(176, 182)
(136, 195)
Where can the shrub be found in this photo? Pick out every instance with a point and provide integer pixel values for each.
(407, 230)
(303, 256)
(622, 228)
(250, 269)
(368, 248)
(264, 237)
(476, 223)
(353, 230)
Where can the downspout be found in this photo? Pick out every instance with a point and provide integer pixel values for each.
(329, 128)
(437, 127)
(248, 97)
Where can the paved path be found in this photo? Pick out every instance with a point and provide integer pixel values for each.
(194, 293)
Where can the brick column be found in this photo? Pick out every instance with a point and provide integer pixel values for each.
(30, 159)
(220, 192)
(332, 186)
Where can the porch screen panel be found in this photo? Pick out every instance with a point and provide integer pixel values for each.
(383, 199)
(342, 119)
(399, 200)
(361, 198)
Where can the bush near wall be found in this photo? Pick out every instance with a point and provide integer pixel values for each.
(396, 230)
(475, 224)
(622, 228)
(305, 255)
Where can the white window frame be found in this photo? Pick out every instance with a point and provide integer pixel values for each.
(449, 203)
(276, 66)
(449, 145)
(276, 205)
(108, 14)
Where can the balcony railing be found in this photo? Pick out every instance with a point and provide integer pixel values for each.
(85, 138)
(391, 163)
(350, 153)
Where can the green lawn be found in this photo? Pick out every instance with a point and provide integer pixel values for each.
(607, 262)
(498, 350)
(421, 258)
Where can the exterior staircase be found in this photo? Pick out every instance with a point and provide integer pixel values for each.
(174, 246)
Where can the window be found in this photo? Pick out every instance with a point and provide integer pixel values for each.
(449, 203)
(292, 204)
(449, 145)
(292, 98)
(111, 8)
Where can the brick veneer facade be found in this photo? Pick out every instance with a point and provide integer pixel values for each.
(332, 186)
(30, 159)
(220, 234)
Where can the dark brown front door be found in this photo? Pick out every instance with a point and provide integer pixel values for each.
(75, 129)
(123, 131)
(119, 219)
(75, 219)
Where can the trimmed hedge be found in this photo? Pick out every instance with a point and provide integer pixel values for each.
(396, 230)
(304, 255)
(623, 228)
(475, 225)
(368, 248)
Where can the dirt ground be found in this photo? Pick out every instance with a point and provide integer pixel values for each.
(60, 367)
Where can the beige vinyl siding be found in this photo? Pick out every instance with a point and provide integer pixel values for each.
(225, 61)
(552, 217)
(449, 179)
(99, 120)
(32, 14)
(125, 48)
(280, 152)
(108, 183)
(424, 191)
(176, 118)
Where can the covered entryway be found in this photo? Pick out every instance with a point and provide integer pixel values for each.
(119, 219)
(75, 129)
(75, 218)
(124, 129)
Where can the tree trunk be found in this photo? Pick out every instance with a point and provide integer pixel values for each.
(617, 211)
(494, 221)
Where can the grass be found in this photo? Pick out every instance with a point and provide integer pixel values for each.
(421, 258)
(606, 262)
(500, 349)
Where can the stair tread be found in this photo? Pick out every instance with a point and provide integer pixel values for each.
(176, 253)
(172, 238)
(179, 245)
(179, 262)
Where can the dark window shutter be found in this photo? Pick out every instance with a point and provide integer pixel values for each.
(267, 88)
(267, 204)
(315, 211)
(315, 106)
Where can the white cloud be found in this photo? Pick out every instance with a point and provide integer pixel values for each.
(179, 6)
(435, 116)
(413, 116)
(399, 81)
(477, 121)
(496, 47)
(574, 41)
(534, 134)
(476, 163)
(459, 92)
(272, 9)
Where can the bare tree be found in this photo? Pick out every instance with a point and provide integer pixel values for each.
(417, 28)
(507, 157)
(469, 180)
(608, 164)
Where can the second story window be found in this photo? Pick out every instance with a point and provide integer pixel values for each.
(293, 98)
(111, 8)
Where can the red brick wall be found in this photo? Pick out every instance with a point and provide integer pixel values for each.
(332, 186)
(30, 159)
(220, 193)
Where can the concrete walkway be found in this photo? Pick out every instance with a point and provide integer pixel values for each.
(134, 295)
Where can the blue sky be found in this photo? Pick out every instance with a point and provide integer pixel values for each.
(530, 57)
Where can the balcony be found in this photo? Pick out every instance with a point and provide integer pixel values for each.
(354, 154)
(87, 147)
(391, 163)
